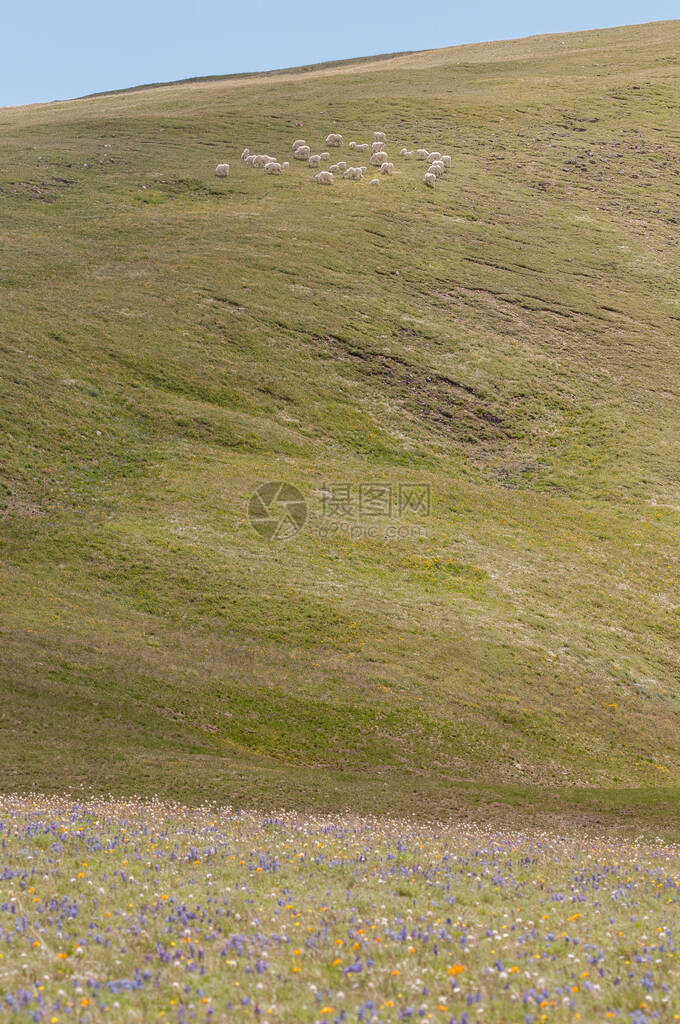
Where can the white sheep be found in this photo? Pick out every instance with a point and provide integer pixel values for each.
(245, 153)
(314, 160)
(352, 145)
(430, 179)
(353, 174)
(422, 154)
(446, 160)
(302, 153)
(325, 156)
(363, 169)
(340, 166)
(377, 159)
(376, 147)
(260, 160)
(273, 167)
(249, 160)
(323, 178)
(379, 136)
(387, 168)
(436, 167)
(433, 156)
(222, 170)
(374, 181)
(334, 139)
(361, 147)
(407, 154)
(298, 143)
(284, 166)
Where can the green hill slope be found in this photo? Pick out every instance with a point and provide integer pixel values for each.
(510, 340)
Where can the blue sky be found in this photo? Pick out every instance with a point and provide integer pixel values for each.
(56, 49)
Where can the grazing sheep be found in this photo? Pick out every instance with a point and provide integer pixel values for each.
(323, 178)
(407, 154)
(260, 160)
(340, 166)
(387, 168)
(436, 167)
(377, 146)
(245, 153)
(353, 174)
(430, 179)
(249, 161)
(352, 145)
(302, 153)
(374, 181)
(334, 139)
(222, 170)
(361, 147)
(314, 160)
(285, 165)
(298, 143)
(446, 160)
(379, 136)
(377, 159)
(273, 167)
(422, 154)
(433, 156)
(325, 156)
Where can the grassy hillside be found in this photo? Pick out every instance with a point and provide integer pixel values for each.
(170, 341)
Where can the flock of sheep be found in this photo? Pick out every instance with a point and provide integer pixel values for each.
(438, 163)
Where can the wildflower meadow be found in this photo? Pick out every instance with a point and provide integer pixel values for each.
(143, 911)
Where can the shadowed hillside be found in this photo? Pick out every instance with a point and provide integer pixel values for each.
(508, 343)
